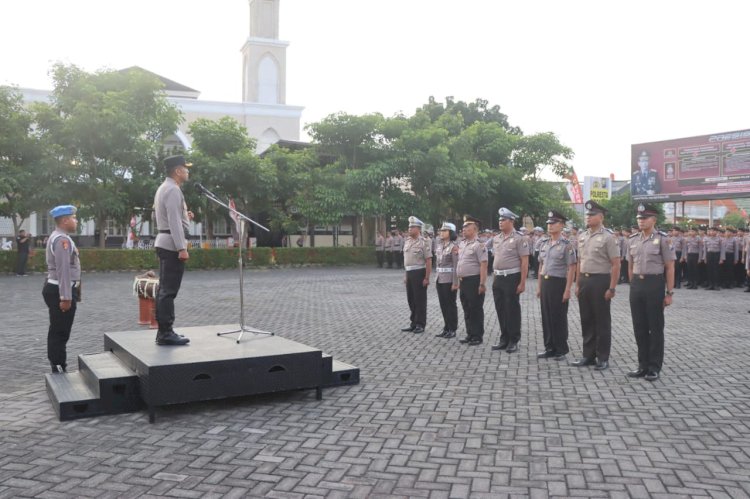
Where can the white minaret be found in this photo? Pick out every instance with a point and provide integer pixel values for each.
(264, 56)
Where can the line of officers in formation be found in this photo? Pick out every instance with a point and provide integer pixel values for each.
(589, 264)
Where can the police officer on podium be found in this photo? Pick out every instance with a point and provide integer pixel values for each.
(511, 266)
(651, 257)
(596, 278)
(62, 287)
(173, 221)
(418, 266)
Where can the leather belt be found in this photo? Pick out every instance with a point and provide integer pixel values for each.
(591, 274)
(165, 231)
(507, 272)
(444, 270)
(547, 276)
(649, 276)
(57, 283)
(414, 267)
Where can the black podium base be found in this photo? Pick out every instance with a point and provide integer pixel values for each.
(135, 371)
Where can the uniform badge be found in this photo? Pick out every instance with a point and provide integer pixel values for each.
(656, 241)
(65, 244)
(511, 240)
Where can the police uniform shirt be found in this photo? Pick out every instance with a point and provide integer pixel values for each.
(471, 253)
(692, 244)
(398, 243)
(556, 257)
(171, 215)
(416, 251)
(389, 243)
(63, 264)
(379, 243)
(677, 243)
(712, 244)
(509, 249)
(730, 247)
(648, 254)
(447, 258)
(596, 251)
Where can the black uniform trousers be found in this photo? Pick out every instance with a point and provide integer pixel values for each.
(389, 258)
(23, 258)
(379, 258)
(473, 304)
(447, 298)
(60, 324)
(712, 268)
(702, 273)
(678, 269)
(596, 319)
(647, 309)
(416, 295)
(727, 280)
(692, 269)
(171, 269)
(624, 270)
(508, 306)
(554, 314)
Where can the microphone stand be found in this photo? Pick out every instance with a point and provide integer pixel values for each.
(243, 218)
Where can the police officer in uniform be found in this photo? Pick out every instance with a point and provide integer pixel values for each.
(645, 181)
(446, 256)
(651, 256)
(511, 266)
(63, 284)
(472, 277)
(692, 246)
(557, 268)
(389, 248)
(173, 222)
(731, 255)
(418, 266)
(596, 279)
(379, 248)
(678, 243)
(713, 250)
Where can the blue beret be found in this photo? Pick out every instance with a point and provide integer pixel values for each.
(63, 210)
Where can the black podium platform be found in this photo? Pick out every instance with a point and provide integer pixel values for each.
(209, 367)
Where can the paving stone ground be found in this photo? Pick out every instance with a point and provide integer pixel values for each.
(430, 418)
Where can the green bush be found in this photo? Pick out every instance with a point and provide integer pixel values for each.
(117, 259)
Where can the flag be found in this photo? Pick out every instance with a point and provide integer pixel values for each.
(573, 187)
(235, 216)
(132, 221)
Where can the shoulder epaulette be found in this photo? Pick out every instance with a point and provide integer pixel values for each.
(544, 239)
(631, 236)
(609, 230)
(663, 233)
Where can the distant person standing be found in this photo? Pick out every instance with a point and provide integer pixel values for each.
(446, 256)
(379, 248)
(173, 222)
(63, 285)
(652, 257)
(23, 243)
(596, 278)
(691, 254)
(418, 266)
(713, 253)
(389, 248)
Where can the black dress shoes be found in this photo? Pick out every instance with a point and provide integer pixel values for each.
(500, 346)
(637, 373)
(545, 355)
(512, 347)
(583, 362)
(408, 329)
(418, 330)
(171, 338)
(601, 366)
(465, 339)
(559, 356)
(474, 341)
(449, 334)
(651, 376)
(441, 334)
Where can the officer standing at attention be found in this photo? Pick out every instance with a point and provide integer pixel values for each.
(472, 277)
(691, 255)
(379, 248)
(650, 254)
(511, 266)
(63, 285)
(596, 279)
(389, 249)
(713, 251)
(446, 255)
(557, 268)
(678, 243)
(173, 222)
(418, 265)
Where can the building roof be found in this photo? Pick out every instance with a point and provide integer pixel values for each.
(171, 87)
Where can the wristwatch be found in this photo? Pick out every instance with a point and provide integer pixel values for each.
(612, 290)
(670, 293)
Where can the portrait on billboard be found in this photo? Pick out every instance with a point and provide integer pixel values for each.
(645, 180)
(669, 171)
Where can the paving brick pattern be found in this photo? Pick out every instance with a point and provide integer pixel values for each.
(431, 418)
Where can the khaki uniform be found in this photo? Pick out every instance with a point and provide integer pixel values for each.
(555, 259)
(447, 278)
(416, 254)
(512, 252)
(471, 253)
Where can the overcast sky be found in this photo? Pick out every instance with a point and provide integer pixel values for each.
(600, 74)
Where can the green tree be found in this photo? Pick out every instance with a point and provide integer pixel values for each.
(735, 219)
(622, 210)
(108, 128)
(23, 178)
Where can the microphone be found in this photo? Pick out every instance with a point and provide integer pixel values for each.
(200, 189)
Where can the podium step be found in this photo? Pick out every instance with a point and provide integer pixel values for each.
(71, 396)
(112, 381)
(342, 374)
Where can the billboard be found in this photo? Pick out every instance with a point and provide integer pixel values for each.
(597, 188)
(704, 167)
